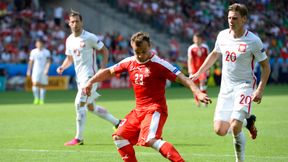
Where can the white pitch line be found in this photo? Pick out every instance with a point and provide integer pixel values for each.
(144, 153)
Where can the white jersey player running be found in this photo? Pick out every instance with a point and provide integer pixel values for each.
(40, 60)
(240, 49)
(80, 50)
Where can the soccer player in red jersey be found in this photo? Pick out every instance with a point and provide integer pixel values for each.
(197, 54)
(144, 124)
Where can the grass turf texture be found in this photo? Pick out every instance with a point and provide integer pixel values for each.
(37, 132)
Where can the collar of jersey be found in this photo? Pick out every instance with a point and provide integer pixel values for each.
(145, 61)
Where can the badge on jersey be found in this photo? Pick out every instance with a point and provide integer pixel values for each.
(242, 48)
(82, 44)
(146, 72)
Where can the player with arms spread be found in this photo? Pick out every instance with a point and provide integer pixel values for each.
(240, 49)
(80, 50)
(197, 54)
(144, 124)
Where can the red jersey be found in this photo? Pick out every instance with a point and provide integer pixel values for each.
(148, 80)
(198, 55)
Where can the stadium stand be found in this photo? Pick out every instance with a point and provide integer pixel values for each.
(24, 21)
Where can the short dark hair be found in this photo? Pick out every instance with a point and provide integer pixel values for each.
(198, 34)
(40, 39)
(139, 37)
(241, 8)
(75, 13)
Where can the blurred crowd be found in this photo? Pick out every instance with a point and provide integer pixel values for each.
(23, 21)
(182, 18)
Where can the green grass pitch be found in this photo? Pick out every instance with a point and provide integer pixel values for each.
(30, 133)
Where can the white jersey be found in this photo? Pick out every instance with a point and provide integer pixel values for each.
(238, 58)
(82, 49)
(40, 58)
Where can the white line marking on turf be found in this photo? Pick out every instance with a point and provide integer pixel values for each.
(143, 153)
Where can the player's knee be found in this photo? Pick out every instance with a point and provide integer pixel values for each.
(151, 142)
(220, 132)
(90, 107)
(117, 137)
(79, 104)
(236, 129)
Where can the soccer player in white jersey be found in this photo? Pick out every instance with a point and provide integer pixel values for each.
(40, 60)
(80, 50)
(240, 49)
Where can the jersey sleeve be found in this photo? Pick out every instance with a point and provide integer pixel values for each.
(96, 42)
(48, 54)
(31, 56)
(217, 43)
(207, 48)
(68, 50)
(121, 66)
(167, 70)
(171, 73)
(259, 51)
(189, 51)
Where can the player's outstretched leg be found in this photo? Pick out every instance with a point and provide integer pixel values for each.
(251, 126)
(115, 127)
(125, 150)
(168, 151)
(103, 113)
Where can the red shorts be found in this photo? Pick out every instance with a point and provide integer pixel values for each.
(202, 77)
(138, 127)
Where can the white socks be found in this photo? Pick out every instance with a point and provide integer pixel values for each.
(239, 146)
(80, 121)
(81, 118)
(36, 92)
(42, 93)
(103, 113)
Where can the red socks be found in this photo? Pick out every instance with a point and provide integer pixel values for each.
(168, 151)
(127, 153)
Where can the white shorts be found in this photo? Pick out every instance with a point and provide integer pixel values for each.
(81, 97)
(235, 104)
(40, 78)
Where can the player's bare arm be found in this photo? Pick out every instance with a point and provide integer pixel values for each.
(203, 97)
(28, 73)
(66, 63)
(98, 77)
(265, 72)
(209, 61)
(189, 63)
(47, 66)
(104, 51)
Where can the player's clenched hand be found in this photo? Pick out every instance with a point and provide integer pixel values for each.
(28, 74)
(60, 70)
(203, 97)
(257, 97)
(87, 89)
